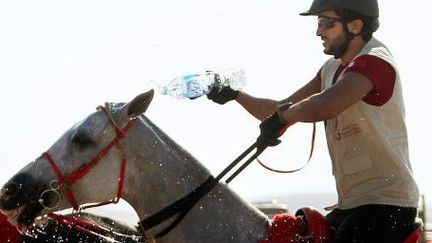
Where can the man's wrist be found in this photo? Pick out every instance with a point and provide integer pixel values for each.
(282, 110)
(238, 94)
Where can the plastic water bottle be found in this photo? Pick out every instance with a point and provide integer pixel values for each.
(199, 84)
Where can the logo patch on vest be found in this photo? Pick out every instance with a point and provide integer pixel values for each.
(346, 131)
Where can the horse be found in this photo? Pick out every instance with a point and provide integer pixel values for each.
(158, 172)
(117, 152)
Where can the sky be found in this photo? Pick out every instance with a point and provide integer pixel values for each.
(60, 59)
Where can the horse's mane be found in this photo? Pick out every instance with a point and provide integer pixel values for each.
(111, 106)
(168, 140)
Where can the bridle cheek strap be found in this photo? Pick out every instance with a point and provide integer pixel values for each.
(75, 176)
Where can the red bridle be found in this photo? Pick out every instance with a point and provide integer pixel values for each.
(76, 175)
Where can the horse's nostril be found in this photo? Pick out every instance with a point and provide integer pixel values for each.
(9, 189)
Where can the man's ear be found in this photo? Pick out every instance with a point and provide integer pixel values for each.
(355, 27)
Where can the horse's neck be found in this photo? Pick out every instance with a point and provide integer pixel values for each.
(164, 173)
(159, 171)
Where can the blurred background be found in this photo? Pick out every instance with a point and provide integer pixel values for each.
(60, 59)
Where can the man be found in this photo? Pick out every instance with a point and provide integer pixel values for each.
(357, 93)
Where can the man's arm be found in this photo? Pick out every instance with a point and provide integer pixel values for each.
(329, 103)
(262, 108)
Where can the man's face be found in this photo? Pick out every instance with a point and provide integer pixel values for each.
(330, 29)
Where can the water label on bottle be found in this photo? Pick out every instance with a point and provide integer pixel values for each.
(190, 77)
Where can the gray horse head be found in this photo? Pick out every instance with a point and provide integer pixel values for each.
(36, 190)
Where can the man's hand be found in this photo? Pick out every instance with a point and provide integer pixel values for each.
(271, 129)
(222, 94)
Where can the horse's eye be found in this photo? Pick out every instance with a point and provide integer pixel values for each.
(81, 140)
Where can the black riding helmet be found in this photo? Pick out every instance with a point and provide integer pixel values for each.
(367, 8)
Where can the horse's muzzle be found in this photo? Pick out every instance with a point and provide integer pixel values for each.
(21, 195)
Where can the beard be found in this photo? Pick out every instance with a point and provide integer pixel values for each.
(333, 47)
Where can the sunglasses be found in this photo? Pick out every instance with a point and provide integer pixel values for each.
(328, 22)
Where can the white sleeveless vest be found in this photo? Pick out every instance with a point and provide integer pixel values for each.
(368, 145)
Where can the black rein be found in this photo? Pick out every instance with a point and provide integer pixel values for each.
(182, 206)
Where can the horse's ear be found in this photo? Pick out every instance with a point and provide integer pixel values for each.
(139, 104)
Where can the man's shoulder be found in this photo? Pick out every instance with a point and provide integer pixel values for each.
(374, 47)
